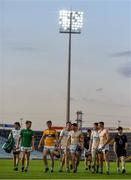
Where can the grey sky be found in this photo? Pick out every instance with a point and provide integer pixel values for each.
(33, 62)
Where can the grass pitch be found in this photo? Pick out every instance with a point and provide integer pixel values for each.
(36, 171)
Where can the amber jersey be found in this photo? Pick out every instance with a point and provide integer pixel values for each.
(50, 137)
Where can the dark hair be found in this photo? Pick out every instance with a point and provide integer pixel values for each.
(119, 128)
(74, 124)
(102, 123)
(17, 123)
(49, 122)
(28, 122)
(68, 122)
(88, 130)
(96, 123)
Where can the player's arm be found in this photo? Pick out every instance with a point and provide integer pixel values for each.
(107, 138)
(114, 147)
(81, 140)
(57, 139)
(126, 144)
(41, 141)
(60, 137)
(68, 141)
(18, 140)
(90, 142)
(33, 142)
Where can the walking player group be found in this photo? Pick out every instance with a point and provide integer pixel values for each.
(70, 145)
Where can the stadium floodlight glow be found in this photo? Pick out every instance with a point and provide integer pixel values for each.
(70, 21)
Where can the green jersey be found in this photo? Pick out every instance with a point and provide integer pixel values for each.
(26, 137)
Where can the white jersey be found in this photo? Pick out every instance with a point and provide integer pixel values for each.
(64, 134)
(16, 134)
(95, 139)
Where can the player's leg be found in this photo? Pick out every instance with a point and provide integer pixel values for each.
(76, 162)
(23, 152)
(27, 160)
(86, 162)
(89, 161)
(123, 164)
(52, 158)
(73, 159)
(45, 153)
(14, 160)
(97, 163)
(17, 160)
(93, 153)
(62, 161)
(106, 157)
(67, 160)
(118, 164)
(100, 155)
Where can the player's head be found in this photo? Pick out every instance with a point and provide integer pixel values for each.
(17, 125)
(49, 124)
(68, 125)
(95, 126)
(120, 130)
(89, 132)
(74, 126)
(101, 125)
(28, 124)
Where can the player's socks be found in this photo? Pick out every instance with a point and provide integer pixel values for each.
(107, 172)
(101, 170)
(93, 169)
(71, 167)
(68, 170)
(97, 168)
(22, 169)
(61, 170)
(26, 169)
(118, 170)
(89, 167)
(52, 171)
(16, 168)
(46, 169)
(123, 170)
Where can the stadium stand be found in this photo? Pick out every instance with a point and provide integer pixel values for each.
(38, 153)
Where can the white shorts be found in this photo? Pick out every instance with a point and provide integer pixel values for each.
(27, 149)
(50, 149)
(73, 148)
(105, 149)
(65, 149)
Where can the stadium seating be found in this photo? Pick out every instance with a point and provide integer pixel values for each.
(38, 153)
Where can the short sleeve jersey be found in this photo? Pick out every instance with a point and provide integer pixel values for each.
(95, 139)
(120, 140)
(26, 137)
(49, 137)
(75, 137)
(64, 134)
(16, 134)
(86, 141)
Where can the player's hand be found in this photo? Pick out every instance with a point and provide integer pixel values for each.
(33, 148)
(17, 147)
(39, 146)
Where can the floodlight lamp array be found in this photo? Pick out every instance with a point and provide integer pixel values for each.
(70, 21)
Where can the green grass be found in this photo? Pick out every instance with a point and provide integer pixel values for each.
(36, 172)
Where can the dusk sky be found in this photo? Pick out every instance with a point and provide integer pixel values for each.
(34, 57)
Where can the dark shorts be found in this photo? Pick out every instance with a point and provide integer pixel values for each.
(121, 152)
(16, 152)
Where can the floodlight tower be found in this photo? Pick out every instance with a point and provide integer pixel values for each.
(70, 22)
